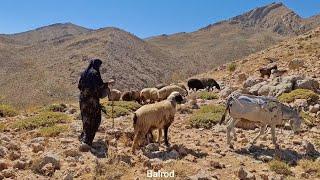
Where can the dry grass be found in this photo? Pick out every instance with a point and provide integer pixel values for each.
(310, 166)
(43, 119)
(308, 119)
(232, 67)
(7, 111)
(52, 131)
(280, 167)
(207, 95)
(298, 94)
(56, 107)
(207, 116)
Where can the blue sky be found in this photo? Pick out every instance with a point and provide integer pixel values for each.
(143, 18)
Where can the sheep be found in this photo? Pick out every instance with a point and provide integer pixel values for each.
(261, 110)
(164, 92)
(159, 115)
(266, 71)
(132, 95)
(115, 95)
(209, 83)
(180, 85)
(150, 94)
(195, 84)
(159, 86)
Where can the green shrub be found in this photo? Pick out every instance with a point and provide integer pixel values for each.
(207, 95)
(310, 166)
(117, 111)
(43, 119)
(7, 111)
(52, 131)
(298, 94)
(232, 67)
(308, 119)
(57, 107)
(207, 116)
(128, 105)
(280, 167)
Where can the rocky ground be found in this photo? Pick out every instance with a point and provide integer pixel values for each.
(194, 153)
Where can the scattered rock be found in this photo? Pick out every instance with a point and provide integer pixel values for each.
(227, 91)
(217, 165)
(173, 154)
(152, 147)
(3, 165)
(245, 175)
(309, 147)
(72, 152)
(251, 81)
(84, 147)
(36, 147)
(49, 158)
(38, 140)
(3, 151)
(66, 140)
(314, 109)
(13, 155)
(20, 164)
(48, 169)
(308, 83)
(8, 173)
(242, 77)
(295, 64)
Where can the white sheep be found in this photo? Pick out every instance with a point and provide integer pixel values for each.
(150, 94)
(159, 116)
(115, 95)
(164, 92)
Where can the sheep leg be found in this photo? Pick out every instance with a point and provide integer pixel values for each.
(159, 135)
(137, 140)
(262, 131)
(166, 128)
(273, 134)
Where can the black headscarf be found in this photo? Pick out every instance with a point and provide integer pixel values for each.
(91, 77)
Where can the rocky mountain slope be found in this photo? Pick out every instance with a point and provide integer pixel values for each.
(49, 70)
(232, 39)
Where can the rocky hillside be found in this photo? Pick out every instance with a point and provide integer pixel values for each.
(299, 56)
(49, 70)
(232, 39)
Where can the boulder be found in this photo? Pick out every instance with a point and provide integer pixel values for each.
(314, 109)
(3, 164)
(242, 77)
(152, 147)
(3, 151)
(49, 158)
(245, 175)
(251, 81)
(227, 91)
(36, 147)
(20, 164)
(308, 83)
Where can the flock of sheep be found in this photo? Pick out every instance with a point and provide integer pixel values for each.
(159, 108)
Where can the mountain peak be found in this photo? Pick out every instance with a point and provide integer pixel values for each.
(274, 16)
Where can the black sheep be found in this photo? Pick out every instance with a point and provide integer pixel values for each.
(195, 84)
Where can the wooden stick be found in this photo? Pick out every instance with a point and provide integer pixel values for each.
(112, 104)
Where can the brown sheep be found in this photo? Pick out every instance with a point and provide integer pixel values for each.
(159, 116)
(132, 95)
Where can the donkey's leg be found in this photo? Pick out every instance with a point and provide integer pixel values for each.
(230, 128)
(273, 134)
(234, 130)
(262, 131)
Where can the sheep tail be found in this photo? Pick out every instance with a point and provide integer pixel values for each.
(135, 118)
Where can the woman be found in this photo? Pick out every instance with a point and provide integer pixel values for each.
(91, 88)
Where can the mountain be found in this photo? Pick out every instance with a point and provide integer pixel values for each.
(48, 71)
(43, 65)
(232, 39)
(51, 32)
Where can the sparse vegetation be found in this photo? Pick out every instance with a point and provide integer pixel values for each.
(232, 67)
(57, 107)
(7, 111)
(207, 95)
(117, 111)
(129, 105)
(298, 94)
(310, 166)
(2, 126)
(52, 131)
(280, 167)
(308, 119)
(207, 116)
(43, 119)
